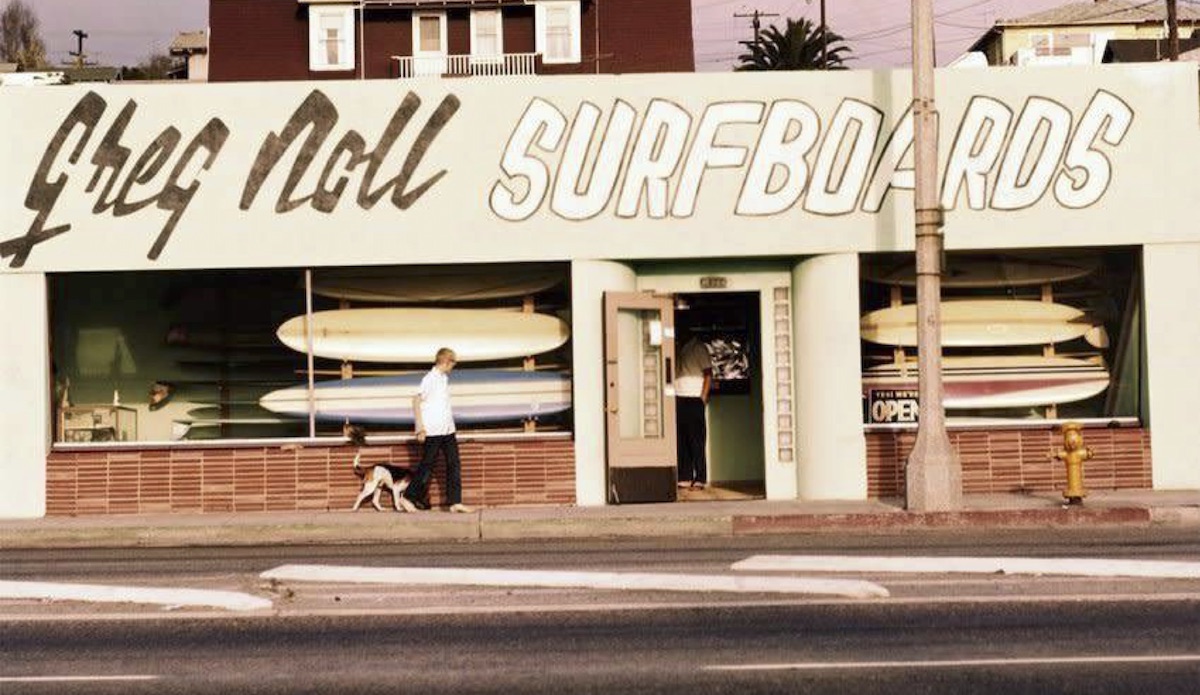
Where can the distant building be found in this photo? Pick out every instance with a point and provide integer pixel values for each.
(1079, 33)
(190, 48)
(92, 73)
(373, 39)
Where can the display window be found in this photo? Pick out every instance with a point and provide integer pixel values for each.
(295, 353)
(1026, 336)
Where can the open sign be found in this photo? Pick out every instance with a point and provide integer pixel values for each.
(893, 405)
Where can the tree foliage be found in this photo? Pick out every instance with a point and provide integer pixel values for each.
(21, 36)
(797, 47)
(156, 66)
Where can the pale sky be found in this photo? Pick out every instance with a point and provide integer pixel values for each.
(123, 32)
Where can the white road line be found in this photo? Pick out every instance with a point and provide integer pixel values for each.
(579, 580)
(958, 663)
(230, 600)
(1081, 567)
(73, 679)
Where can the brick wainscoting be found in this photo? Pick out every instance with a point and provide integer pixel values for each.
(312, 477)
(1017, 460)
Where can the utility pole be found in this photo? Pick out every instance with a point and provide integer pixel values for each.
(1172, 30)
(80, 35)
(933, 476)
(754, 22)
(824, 39)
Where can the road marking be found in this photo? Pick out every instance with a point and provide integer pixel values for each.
(1080, 567)
(578, 580)
(230, 600)
(73, 679)
(957, 663)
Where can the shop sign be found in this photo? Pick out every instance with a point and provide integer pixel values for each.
(893, 406)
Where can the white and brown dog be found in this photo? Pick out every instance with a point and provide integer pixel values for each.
(378, 477)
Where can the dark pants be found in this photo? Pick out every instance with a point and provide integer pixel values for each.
(691, 434)
(419, 489)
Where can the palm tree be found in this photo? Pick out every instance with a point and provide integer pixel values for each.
(796, 48)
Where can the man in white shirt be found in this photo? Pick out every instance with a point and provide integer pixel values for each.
(693, 380)
(435, 429)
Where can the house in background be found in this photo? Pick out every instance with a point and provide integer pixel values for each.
(190, 48)
(379, 39)
(1079, 33)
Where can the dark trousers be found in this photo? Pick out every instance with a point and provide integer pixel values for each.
(419, 488)
(691, 435)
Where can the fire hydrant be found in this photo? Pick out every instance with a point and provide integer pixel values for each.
(1073, 454)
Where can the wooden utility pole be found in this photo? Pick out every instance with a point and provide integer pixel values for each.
(824, 39)
(934, 475)
(79, 55)
(1172, 30)
(755, 22)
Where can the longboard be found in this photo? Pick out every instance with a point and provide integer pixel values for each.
(477, 396)
(983, 271)
(377, 285)
(415, 335)
(981, 323)
(1006, 381)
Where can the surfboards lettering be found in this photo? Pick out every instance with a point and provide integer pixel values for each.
(318, 115)
(653, 163)
(108, 163)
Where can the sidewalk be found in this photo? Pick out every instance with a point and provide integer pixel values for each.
(1129, 508)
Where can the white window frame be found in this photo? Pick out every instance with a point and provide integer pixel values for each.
(571, 6)
(416, 35)
(499, 34)
(316, 42)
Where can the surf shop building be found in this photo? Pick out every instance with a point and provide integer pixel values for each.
(203, 283)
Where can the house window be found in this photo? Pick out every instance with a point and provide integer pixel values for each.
(558, 31)
(487, 36)
(331, 37)
(429, 33)
(1058, 43)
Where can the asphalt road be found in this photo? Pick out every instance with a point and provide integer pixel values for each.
(937, 633)
(1147, 647)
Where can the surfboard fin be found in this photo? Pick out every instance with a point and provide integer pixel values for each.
(1097, 337)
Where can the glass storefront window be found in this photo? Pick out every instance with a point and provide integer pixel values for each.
(170, 356)
(1026, 336)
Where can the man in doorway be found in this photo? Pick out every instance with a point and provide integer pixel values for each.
(693, 380)
(435, 430)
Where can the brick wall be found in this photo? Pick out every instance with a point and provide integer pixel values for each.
(318, 478)
(1017, 460)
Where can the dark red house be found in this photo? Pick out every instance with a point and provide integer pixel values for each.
(340, 39)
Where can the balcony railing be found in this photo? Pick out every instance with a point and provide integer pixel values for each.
(465, 65)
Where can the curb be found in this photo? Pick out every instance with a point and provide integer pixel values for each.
(1023, 518)
(490, 527)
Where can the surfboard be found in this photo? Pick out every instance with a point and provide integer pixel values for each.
(415, 335)
(1001, 381)
(453, 285)
(986, 271)
(477, 396)
(981, 323)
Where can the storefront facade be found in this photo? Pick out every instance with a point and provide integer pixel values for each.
(271, 261)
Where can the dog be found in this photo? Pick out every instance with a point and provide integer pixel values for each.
(380, 476)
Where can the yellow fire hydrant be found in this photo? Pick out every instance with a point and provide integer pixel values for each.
(1073, 454)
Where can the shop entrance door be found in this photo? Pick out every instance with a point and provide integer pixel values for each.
(639, 368)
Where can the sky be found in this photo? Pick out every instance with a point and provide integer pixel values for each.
(124, 32)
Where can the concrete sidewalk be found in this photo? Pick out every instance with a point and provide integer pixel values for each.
(1131, 508)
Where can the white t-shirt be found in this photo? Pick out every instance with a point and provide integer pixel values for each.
(435, 404)
(693, 361)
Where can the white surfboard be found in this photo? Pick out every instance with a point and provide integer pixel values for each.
(454, 285)
(986, 271)
(415, 335)
(981, 323)
(477, 396)
(1001, 381)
